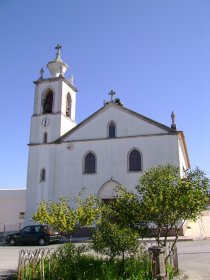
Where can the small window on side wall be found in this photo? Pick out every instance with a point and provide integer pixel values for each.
(45, 137)
(134, 161)
(111, 130)
(42, 175)
(90, 163)
(21, 215)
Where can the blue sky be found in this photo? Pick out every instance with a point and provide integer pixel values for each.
(154, 54)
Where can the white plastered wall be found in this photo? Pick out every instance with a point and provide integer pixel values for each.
(64, 166)
(12, 203)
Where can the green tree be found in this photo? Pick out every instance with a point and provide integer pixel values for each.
(110, 238)
(163, 201)
(169, 200)
(129, 212)
(65, 218)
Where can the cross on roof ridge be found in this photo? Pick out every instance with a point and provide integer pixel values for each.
(111, 93)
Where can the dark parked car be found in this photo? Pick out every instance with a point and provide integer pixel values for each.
(38, 234)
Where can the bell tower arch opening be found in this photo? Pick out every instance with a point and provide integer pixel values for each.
(47, 102)
(68, 105)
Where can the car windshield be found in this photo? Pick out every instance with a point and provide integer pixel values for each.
(26, 229)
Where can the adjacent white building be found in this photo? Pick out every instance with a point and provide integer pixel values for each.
(113, 146)
(12, 209)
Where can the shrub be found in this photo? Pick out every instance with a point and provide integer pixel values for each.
(71, 262)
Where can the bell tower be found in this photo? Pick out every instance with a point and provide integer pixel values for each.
(54, 103)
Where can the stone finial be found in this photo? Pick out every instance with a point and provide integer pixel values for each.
(118, 102)
(105, 102)
(71, 79)
(41, 73)
(173, 117)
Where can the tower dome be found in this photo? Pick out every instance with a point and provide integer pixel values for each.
(57, 67)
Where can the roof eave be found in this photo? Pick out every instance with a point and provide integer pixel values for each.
(181, 133)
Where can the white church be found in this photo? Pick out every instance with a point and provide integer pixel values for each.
(113, 146)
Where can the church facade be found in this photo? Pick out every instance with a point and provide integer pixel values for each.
(113, 146)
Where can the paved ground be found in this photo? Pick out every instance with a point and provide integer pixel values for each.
(194, 259)
(9, 258)
(9, 255)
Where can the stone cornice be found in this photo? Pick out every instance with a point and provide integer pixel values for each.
(55, 79)
(108, 139)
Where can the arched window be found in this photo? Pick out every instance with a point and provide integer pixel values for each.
(90, 163)
(45, 137)
(68, 105)
(47, 102)
(42, 175)
(134, 161)
(112, 130)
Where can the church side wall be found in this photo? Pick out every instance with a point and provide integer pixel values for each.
(40, 157)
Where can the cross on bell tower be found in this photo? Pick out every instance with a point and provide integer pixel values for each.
(58, 48)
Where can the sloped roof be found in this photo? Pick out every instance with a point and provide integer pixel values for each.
(119, 107)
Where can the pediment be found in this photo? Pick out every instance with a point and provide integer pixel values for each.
(128, 124)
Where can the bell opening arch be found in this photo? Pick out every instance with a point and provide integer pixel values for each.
(47, 101)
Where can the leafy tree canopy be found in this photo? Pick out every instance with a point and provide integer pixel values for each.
(111, 239)
(65, 218)
(163, 200)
